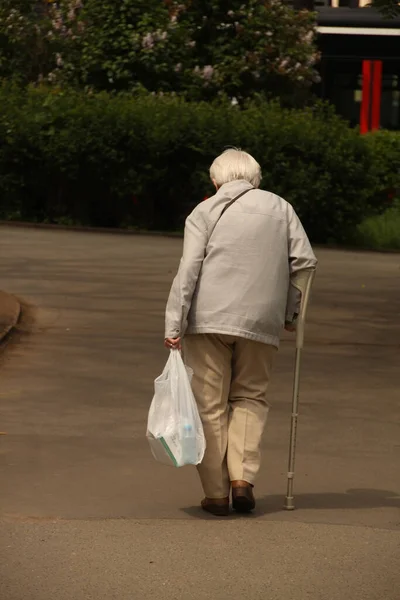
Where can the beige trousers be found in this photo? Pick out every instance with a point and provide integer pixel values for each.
(231, 376)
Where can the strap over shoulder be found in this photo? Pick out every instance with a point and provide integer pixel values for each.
(228, 206)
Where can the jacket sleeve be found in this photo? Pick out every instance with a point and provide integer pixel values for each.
(301, 256)
(184, 284)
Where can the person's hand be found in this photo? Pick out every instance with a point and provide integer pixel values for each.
(173, 343)
(291, 326)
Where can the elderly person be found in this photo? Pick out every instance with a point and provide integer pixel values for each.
(230, 301)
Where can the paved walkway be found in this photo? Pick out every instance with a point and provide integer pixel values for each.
(86, 513)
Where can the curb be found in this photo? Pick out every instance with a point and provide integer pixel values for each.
(10, 310)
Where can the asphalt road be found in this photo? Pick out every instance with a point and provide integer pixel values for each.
(86, 513)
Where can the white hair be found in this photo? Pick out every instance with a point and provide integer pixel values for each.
(234, 164)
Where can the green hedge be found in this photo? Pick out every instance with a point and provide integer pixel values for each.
(385, 148)
(143, 162)
(381, 232)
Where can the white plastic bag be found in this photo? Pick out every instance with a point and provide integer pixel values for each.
(174, 428)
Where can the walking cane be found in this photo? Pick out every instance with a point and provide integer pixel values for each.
(303, 282)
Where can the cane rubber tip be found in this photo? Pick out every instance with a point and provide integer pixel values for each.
(289, 504)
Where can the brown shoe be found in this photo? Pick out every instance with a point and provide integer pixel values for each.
(219, 507)
(243, 500)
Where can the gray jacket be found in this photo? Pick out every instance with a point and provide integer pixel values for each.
(234, 275)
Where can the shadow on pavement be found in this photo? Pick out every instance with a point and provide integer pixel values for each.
(352, 499)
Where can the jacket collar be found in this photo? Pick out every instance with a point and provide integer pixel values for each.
(234, 188)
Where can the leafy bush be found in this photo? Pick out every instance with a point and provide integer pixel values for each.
(385, 147)
(381, 232)
(143, 162)
(195, 48)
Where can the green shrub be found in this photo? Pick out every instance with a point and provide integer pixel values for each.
(381, 232)
(143, 162)
(385, 148)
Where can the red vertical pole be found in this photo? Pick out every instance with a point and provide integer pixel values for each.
(376, 94)
(366, 96)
